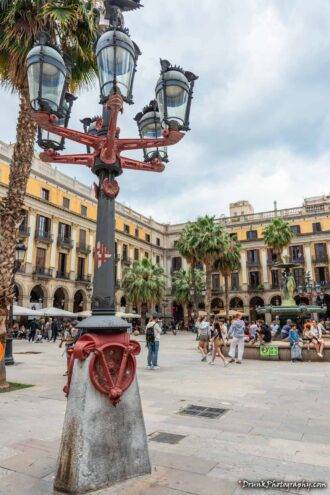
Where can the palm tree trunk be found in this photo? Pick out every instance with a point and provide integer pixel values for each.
(208, 295)
(11, 207)
(194, 288)
(226, 297)
(185, 316)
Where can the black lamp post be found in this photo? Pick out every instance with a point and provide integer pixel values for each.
(20, 253)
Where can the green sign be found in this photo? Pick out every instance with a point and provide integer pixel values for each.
(268, 352)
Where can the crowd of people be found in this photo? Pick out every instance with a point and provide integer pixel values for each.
(214, 335)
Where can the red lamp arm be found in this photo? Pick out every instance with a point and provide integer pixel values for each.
(170, 138)
(155, 165)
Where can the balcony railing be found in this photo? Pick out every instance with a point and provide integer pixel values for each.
(321, 258)
(86, 279)
(83, 248)
(253, 263)
(24, 231)
(256, 288)
(62, 275)
(43, 236)
(65, 242)
(217, 290)
(276, 285)
(272, 261)
(126, 261)
(42, 272)
(299, 260)
(235, 288)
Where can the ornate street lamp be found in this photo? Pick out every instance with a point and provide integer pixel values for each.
(174, 93)
(105, 352)
(47, 77)
(116, 56)
(149, 125)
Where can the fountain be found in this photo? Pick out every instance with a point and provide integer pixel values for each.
(289, 307)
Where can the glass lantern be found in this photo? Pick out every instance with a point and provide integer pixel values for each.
(116, 57)
(174, 91)
(47, 75)
(149, 126)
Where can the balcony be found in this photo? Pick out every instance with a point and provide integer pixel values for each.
(24, 231)
(126, 261)
(299, 260)
(84, 279)
(62, 275)
(65, 242)
(272, 261)
(235, 288)
(275, 285)
(42, 272)
(117, 258)
(82, 248)
(253, 263)
(44, 236)
(256, 288)
(320, 258)
(217, 290)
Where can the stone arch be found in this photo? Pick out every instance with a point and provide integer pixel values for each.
(123, 302)
(38, 297)
(79, 301)
(236, 303)
(255, 301)
(276, 300)
(18, 294)
(61, 298)
(217, 305)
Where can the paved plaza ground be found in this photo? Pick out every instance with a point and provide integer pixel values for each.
(277, 424)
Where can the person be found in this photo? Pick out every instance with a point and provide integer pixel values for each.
(22, 332)
(264, 333)
(316, 331)
(274, 327)
(286, 330)
(295, 343)
(236, 331)
(153, 332)
(204, 334)
(320, 327)
(38, 338)
(33, 328)
(55, 329)
(253, 330)
(48, 329)
(218, 340)
(311, 335)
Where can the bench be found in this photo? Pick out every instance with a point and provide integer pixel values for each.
(252, 351)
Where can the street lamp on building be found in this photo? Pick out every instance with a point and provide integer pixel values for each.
(20, 253)
(106, 353)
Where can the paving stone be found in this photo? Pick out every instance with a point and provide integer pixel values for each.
(37, 467)
(182, 462)
(195, 483)
(20, 484)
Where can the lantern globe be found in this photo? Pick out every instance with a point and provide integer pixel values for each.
(47, 76)
(116, 59)
(149, 125)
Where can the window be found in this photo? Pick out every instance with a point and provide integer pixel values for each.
(295, 229)
(317, 227)
(251, 235)
(126, 229)
(62, 264)
(157, 241)
(254, 279)
(40, 259)
(148, 237)
(81, 268)
(215, 281)
(137, 233)
(45, 194)
(66, 203)
(321, 274)
(43, 226)
(299, 276)
(176, 263)
(146, 255)
(125, 252)
(233, 236)
(235, 281)
(23, 228)
(253, 257)
(136, 254)
(275, 279)
(158, 260)
(321, 252)
(83, 210)
(82, 237)
(271, 256)
(64, 231)
(296, 254)
(199, 266)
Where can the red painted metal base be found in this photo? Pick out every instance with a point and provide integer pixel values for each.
(112, 367)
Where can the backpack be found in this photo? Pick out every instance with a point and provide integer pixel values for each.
(150, 335)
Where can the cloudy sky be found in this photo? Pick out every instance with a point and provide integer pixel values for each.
(260, 117)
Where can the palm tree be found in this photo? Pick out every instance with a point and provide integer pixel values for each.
(229, 260)
(277, 236)
(182, 283)
(144, 283)
(209, 242)
(74, 23)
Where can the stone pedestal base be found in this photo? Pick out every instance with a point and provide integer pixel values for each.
(101, 444)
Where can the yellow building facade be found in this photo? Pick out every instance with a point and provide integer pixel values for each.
(59, 233)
